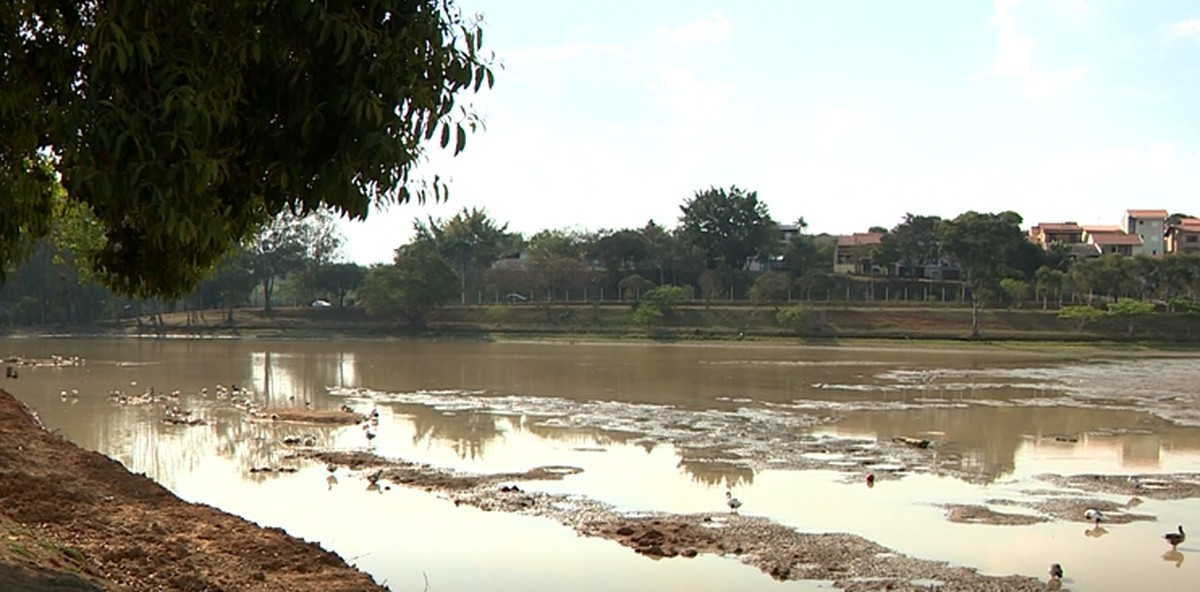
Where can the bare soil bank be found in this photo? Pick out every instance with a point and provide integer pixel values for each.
(692, 322)
(74, 520)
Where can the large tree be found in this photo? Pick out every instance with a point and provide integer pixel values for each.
(280, 249)
(418, 281)
(620, 250)
(186, 125)
(913, 242)
(987, 247)
(339, 279)
(471, 240)
(730, 227)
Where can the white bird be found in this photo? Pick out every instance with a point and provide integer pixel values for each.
(733, 502)
(1175, 538)
(1095, 516)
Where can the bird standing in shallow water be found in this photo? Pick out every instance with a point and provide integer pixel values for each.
(733, 502)
(1175, 538)
(1095, 516)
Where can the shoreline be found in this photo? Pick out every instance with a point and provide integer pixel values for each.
(825, 324)
(78, 520)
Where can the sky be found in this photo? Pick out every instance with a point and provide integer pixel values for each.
(848, 114)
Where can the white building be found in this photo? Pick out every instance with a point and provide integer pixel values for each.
(1150, 226)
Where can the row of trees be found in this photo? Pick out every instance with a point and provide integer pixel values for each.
(725, 245)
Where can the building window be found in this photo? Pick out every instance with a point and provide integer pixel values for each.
(1191, 238)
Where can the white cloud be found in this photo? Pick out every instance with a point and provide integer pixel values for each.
(1014, 59)
(1188, 28)
(1012, 49)
(710, 28)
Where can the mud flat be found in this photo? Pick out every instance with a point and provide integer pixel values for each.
(851, 562)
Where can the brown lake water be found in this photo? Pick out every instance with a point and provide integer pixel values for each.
(655, 428)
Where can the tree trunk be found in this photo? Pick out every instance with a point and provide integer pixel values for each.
(267, 289)
(975, 306)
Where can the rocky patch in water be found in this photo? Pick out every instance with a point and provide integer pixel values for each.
(975, 514)
(1167, 486)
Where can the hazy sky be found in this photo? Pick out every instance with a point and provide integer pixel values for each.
(849, 114)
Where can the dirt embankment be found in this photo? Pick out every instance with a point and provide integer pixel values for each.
(74, 520)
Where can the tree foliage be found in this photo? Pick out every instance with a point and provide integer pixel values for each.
(278, 250)
(913, 242)
(417, 282)
(1130, 309)
(183, 126)
(338, 280)
(729, 227)
(1082, 313)
(470, 240)
(658, 303)
(772, 287)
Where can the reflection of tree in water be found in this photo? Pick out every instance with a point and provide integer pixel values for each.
(716, 472)
(262, 444)
(468, 432)
(574, 436)
(984, 440)
(292, 379)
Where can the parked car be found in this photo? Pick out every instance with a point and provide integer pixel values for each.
(320, 303)
(515, 297)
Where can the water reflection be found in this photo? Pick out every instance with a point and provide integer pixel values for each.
(1173, 556)
(716, 473)
(988, 441)
(468, 433)
(293, 378)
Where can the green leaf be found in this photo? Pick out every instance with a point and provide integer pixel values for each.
(461, 140)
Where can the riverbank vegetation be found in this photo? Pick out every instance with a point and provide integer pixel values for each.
(470, 274)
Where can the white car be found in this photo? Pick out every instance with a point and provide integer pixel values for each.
(320, 303)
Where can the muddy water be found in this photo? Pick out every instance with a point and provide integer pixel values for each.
(664, 428)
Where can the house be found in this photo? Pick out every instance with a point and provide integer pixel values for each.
(1049, 233)
(1183, 236)
(1118, 242)
(853, 252)
(1150, 226)
(786, 232)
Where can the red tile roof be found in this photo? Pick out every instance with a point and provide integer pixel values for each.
(860, 239)
(1116, 238)
(1058, 226)
(1102, 229)
(1146, 213)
